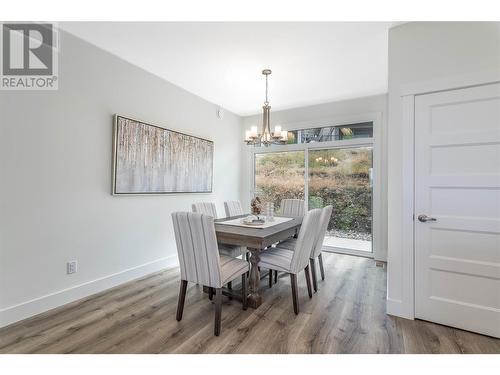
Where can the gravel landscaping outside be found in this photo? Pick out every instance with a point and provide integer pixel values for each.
(349, 234)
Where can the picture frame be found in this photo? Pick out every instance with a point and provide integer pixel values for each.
(150, 159)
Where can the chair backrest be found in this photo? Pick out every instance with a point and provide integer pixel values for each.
(207, 208)
(324, 219)
(305, 240)
(197, 248)
(292, 207)
(233, 208)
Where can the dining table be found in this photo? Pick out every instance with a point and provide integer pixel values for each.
(232, 231)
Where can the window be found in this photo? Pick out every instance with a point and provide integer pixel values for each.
(341, 177)
(331, 133)
(279, 175)
(319, 166)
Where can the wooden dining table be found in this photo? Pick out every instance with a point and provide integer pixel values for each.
(255, 240)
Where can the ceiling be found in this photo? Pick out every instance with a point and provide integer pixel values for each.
(312, 63)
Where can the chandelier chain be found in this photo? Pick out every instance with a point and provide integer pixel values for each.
(267, 101)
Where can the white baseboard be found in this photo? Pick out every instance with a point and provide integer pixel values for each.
(398, 308)
(50, 301)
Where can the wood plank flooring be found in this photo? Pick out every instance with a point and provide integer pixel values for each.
(346, 315)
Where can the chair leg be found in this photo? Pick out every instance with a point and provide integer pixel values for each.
(313, 273)
(295, 297)
(210, 293)
(244, 290)
(322, 270)
(218, 310)
(308, 281)
(270, 278)
(230, 287)
(275, 276)
(182, 298)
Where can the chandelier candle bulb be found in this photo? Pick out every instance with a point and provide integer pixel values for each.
(284, 135)
(247, 135)
(277, 130)
(253, 131)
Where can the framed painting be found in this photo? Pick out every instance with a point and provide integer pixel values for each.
(150, 159)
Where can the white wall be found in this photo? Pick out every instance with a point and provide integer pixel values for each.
(55, 171)
(326, 114)
(418, 53)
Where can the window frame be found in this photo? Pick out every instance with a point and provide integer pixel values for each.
(339, 127)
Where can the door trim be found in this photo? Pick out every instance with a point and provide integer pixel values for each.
(463, 81)
(403, 272)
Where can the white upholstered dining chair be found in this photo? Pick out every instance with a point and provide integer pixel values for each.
(289, 208)
(233, 208)
(201, 263)
(290, 244)
(292, 262)
(292, 207)
(208, 208)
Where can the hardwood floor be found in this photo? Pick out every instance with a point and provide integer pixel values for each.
(346, 315)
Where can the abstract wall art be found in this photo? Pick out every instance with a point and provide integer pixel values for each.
(149, 159)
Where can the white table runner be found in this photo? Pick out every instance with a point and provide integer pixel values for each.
(267, 224)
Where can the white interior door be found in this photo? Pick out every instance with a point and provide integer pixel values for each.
(457, 183)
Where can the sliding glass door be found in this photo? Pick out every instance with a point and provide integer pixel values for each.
(279, 175)
(341, 177)
(329, 165)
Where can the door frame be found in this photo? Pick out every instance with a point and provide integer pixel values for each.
(378, 225)
(406, 268)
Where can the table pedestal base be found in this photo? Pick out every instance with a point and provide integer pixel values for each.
(254, 298)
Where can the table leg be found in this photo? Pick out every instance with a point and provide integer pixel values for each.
(254, 298)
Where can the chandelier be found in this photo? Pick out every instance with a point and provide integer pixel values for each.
(266, 138)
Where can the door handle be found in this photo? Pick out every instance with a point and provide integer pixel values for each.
(425, 218)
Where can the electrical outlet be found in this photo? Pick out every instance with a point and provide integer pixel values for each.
(71, 267)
